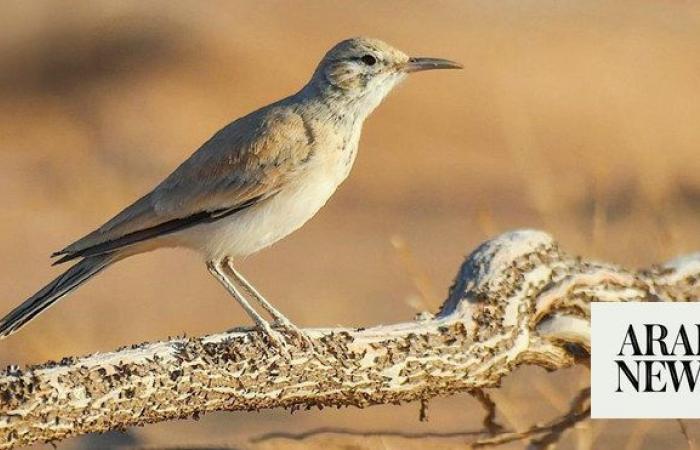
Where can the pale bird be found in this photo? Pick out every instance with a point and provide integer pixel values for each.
(254, 182)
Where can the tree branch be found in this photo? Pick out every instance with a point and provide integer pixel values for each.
(516, 300)
(579, 411)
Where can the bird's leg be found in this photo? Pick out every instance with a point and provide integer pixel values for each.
(216, 268)
(280, 319)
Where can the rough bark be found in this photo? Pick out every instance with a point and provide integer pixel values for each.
(518, 299)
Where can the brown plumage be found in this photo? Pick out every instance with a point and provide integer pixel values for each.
(254, 182)
(233, 170)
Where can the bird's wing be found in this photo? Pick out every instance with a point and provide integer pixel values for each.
(243, 164)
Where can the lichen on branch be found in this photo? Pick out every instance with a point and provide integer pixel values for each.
(517, 299)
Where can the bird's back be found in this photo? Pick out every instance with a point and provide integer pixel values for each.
(244, 163)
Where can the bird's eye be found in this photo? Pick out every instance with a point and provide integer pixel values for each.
(369, 60)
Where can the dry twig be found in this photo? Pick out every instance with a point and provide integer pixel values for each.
(551, 432)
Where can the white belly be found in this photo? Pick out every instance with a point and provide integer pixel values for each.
(259, 226)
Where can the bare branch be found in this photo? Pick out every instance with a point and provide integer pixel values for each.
(580, 410)
(490, 423)
(686, 434)
(516, 300)
(309, 434)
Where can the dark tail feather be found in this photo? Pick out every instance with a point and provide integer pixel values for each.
(53, 292)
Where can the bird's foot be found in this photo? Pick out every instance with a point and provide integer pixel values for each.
(296, 334)
(276, 340)
(273, 338)
(280, 334)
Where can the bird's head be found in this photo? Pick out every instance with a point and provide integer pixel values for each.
(361, 71)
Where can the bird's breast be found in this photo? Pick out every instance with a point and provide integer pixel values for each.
(265, 223)
(337, 155)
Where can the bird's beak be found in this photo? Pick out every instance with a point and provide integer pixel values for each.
(419, 64)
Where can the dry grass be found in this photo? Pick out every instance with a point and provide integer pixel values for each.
(576, 117)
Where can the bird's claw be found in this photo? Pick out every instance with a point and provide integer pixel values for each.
(276, 340)
(297, 335)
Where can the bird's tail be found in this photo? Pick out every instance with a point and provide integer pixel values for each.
(53, 292)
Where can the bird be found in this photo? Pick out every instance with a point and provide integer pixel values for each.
(254, 182)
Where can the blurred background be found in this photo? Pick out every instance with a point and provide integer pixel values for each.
(576, 117)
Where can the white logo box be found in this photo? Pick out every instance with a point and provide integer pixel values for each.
(651, 384)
